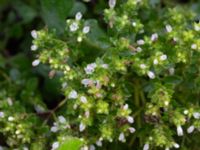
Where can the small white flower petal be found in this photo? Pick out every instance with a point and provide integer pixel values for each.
(73, 27)
(190, 129)
(92, 147)
(2, 115)
(154, 37)
(35, 62)
(54, 129)
(112, 3)
(140, 42)
(122, 137)
(163, 57)
(99, 143)
(130, 119)
(132, 130)
(73, 95)
(196, 115)
(78, 16)
(86, 29)
(176, 145)
(168, 28)
(151, 75)
(34, 34)
(82, 127)
(194, 46)
(61, 119)
(143, 66)
(55, 145)
(34, 47)
(155, 61)
(179, 131)
(83, 99)
(146, 146)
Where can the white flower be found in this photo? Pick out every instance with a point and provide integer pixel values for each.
(134, 24)
(10, 102)
(176, 145)
(167, 148)
(73, 27)
(34, 47)
(92, 147)
(11, 118)
(168, 28)
(1, 148)
(55, 145)
(112, 3)
(155, 61)
(132, 130)
(122, 137)
(196, 115)
(163, 57)
(86, 29)
(89, 69)
(179, 131)
(194, 46)
(125, 107)
(83, 99)
(138, 49)
(130, 119)
(99, 143)
(146, 147)
(34, 34)
(190, 129)
(86, 82)
(140, 42)
(82, 127)
(54, 129)
(35, 62)
(78, 16)
(151, 75)
(73, 94)
(154, 37)
(24, 148)
(2, 114)
(61, 119)
(143, 66)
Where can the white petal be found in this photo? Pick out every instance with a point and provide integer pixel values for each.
(2, 114)
(176, 145)
(73, 94)
(99, 143)
(146, 147)
(54, 129)
(130, 119)
(154, 37)
(190, 129)
(143, 66)
(61, 119)
(55, 145)
(179, 131)
(151, 75)
(92, 147)
(163, 57)
(140, 42)
(34, 34)
(82, 127)
(36, 62)
(83, 99)
(78, 16)
(112, 3)
(196, 115)
(168, 28)
(34, 47)
(86, 29)
(122, 137)
(132, 130)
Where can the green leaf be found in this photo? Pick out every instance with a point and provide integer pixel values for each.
(55, 12)
(71, 143)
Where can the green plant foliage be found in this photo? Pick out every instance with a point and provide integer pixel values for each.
(107, 74)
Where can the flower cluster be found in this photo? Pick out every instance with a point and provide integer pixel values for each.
(142, 75)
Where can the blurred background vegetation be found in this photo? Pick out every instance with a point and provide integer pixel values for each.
(18, 18)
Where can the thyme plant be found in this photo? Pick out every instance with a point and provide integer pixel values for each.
(131, 77)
